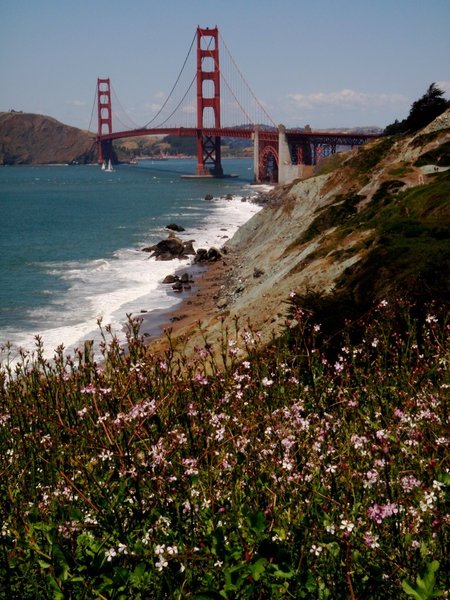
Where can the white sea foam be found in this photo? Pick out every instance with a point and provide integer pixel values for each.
(130, 282)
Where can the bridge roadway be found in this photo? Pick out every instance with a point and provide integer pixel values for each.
(280, 155)
(318, 137)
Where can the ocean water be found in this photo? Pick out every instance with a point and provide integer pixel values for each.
(71, 240)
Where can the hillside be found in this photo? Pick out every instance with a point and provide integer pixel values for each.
(294, 445)
(27, 138)
(373, 224)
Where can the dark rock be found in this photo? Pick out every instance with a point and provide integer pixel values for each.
(175, 227)
(200, 255)
(210, 255)
(213, 254)
(177, 286)
(170, 279)
(177, 318)
(170, 248)
(185, 278)
(189, 248)
(209, 197)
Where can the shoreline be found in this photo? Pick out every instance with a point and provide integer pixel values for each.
(161, 308)
(199, 305)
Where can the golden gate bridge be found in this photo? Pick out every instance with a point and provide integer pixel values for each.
(216, 102)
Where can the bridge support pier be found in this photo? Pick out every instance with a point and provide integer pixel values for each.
(256, 173)
(287, 171)
(209, 162)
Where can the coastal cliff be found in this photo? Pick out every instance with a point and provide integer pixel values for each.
(372, 224)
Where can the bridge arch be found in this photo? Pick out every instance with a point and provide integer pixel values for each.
(268, 164)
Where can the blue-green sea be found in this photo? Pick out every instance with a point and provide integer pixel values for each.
(71, 240)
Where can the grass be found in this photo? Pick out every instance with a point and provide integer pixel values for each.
(369, 155)
(312, 468)
(426, 138)
(330, 163)
(401, 171)
(408, 246)
(440, 156)
(333, 215)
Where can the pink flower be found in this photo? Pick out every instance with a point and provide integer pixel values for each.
(201, 379)
(371, 540)
(379, 512)
(338, 367)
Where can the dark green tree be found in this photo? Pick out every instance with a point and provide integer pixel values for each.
(427, 108)
(422, 112)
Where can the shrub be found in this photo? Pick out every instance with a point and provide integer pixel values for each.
(312, 468)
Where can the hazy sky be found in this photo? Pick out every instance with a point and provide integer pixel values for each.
(328, 63)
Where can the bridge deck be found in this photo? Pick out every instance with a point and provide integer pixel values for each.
(319, 137)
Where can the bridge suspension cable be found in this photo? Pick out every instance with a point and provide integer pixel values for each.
(94, 105)
(118, 115)
(239, 106)
(173, 88)
(177, 106)
(247, 94)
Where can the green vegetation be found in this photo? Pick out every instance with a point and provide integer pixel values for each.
(422, 112)
(332, 216)
(330, 163)
(368, 156)
(412, 252)
(417, 216)
(313, 468)
(401, 171)
(440, 156)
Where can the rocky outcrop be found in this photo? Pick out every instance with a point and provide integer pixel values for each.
(171, 248)
(36, 139)
(179, 283)
(175, 227)
(204, 255)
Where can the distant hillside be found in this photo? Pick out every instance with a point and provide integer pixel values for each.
(27, 138)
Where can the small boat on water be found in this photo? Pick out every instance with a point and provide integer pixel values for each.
(107, 167)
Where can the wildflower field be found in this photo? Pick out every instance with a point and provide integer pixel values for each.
(316, 467)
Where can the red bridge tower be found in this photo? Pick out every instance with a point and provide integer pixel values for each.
(208, 100)
(104, 118)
